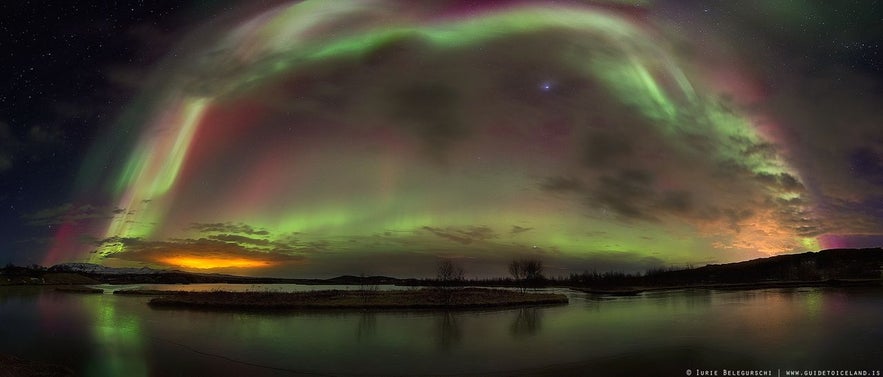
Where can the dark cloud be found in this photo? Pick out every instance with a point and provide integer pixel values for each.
(238, 239)
(862, 215)
(563, 185)
(736, 216)
(70, 213)
(463, 236)
(676, 202)
(234, 228)
(479, 232)
(430, 111)
(834, 144)
(518, 229)
(867, 163)
(629, 193)
(603, 149)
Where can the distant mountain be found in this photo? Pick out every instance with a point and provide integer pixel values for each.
(91, 268)
(835, 266)
(362, 280)
(111, 275)
(832, 264)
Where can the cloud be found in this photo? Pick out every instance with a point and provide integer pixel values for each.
(71, 213)
(429, 111)
(628, 193)
(563, 185)
(241, 240)
(783, 182)
(818, 102)
(160, 252)
(465, 235)
(604, 149)
(518, 229)
(867, 163)
(235, 228)
(631, 194)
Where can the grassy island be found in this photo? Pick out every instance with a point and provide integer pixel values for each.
(464, 298)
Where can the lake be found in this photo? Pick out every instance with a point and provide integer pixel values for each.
(655, 333)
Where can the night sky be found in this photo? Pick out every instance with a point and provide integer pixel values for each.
(319, 138)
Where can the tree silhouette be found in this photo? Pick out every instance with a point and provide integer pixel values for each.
(527, 271)
(448, 273)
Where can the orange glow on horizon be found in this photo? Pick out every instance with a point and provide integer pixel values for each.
(213, 262)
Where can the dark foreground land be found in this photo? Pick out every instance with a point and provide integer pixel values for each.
(835, 267)
(11, 366)
(635, 290)
(465, 298)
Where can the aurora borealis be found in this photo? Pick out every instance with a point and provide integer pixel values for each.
(327, 137)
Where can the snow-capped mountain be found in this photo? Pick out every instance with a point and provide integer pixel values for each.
(92, 268)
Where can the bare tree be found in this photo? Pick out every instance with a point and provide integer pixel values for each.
(527, 271)
(448, 272)
(533, 270)
(515, 270)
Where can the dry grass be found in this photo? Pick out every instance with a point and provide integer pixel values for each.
(465, 298)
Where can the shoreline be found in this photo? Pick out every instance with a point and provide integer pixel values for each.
(635, 290)
(611, 290)
(422, 299)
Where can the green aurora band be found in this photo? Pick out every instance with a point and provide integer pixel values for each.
(320, 137)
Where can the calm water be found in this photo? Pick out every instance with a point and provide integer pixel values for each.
(663, 333)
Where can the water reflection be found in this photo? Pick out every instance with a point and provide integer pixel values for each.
(448, 332)
(813, 303)
(118, 339)
(98, 335)
(367, 326)
(528, 322)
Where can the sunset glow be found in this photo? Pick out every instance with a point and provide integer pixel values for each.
(209, 263)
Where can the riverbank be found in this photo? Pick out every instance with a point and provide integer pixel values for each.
(464, 298)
